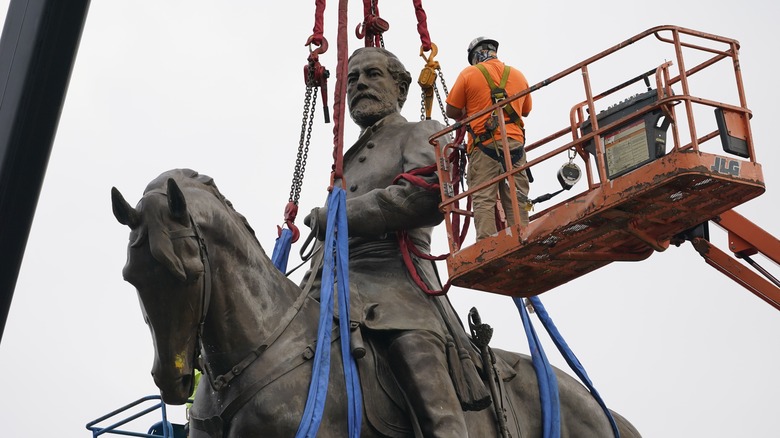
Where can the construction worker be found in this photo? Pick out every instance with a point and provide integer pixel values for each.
(486, 81)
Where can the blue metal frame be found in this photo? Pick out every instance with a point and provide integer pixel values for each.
(112, 429)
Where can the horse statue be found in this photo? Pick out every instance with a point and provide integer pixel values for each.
(211, 296)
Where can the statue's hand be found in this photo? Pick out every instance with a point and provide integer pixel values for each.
(317, 220)
(312, 214)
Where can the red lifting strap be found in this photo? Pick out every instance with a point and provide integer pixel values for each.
(407, 246)
(413, 176)
(316, 36)
(339, 98)
(422, 25)
(457, 158)
(373, 26)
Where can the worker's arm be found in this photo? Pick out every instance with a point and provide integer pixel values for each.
(455, 113)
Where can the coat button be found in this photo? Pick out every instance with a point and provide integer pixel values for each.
(370, 145)
(362, 159)
(353, 187)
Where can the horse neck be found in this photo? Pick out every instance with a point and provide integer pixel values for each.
(248, 297)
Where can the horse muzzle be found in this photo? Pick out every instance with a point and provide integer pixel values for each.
(174, 390)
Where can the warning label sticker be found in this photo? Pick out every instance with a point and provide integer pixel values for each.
(626, 148)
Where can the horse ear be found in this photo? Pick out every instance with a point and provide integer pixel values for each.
(176, 202)
(123, 212)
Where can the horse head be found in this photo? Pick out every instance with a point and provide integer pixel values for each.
(167, 265)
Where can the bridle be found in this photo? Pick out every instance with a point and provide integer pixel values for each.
(233, 397)
(205, 291)
(219, 382)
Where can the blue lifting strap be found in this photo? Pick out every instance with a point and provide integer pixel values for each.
(282, 250)
(548, 385)
(545, 376)
(335, 246)
(571, 358)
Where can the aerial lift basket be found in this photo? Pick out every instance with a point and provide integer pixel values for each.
(639, 196)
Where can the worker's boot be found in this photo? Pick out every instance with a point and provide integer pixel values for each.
(419, 363)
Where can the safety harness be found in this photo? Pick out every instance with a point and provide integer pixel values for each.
(497, 93)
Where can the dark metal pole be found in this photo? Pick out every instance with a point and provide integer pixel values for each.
(37, 50)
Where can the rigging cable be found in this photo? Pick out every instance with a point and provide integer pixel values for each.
(336, 259)
(373, 26)
(545, 368)
(315, 77)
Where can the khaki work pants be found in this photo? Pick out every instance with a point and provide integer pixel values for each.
(483, 168)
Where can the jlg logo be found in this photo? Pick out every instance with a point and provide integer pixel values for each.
(728, 167)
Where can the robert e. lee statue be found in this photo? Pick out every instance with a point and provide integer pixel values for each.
(386, 302)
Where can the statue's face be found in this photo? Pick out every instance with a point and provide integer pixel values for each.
(372, 92)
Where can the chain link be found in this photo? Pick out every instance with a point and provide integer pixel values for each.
(381, 35)
(422, 105)
(443, 84)
(441, 105)
(309, 106)
(438, 96)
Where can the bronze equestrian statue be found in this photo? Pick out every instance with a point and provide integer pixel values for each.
(213, 299)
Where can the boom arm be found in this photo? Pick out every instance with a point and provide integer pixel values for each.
(745, 239)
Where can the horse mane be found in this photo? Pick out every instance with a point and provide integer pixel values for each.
(187, 177)
(153, 228)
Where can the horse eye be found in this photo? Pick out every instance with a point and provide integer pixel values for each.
(192, 277)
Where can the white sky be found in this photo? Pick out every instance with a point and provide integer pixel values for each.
(670, 343)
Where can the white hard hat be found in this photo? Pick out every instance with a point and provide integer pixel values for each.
(480, 42)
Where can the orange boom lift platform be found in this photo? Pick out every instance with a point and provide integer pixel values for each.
(643, 192)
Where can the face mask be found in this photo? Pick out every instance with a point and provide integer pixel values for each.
(481, 56)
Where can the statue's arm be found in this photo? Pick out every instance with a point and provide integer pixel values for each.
(403, 205)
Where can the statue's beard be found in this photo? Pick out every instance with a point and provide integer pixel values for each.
(369, 110)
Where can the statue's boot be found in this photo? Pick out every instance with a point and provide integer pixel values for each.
(419, 363)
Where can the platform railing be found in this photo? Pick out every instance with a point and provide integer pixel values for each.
(674, 89)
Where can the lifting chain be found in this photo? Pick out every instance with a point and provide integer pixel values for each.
(309, 105)
(315, 77)
(438, 96)
(422, 106)
(379, 26)
(291, 209)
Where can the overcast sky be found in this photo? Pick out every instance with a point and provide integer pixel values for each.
(677, 348)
